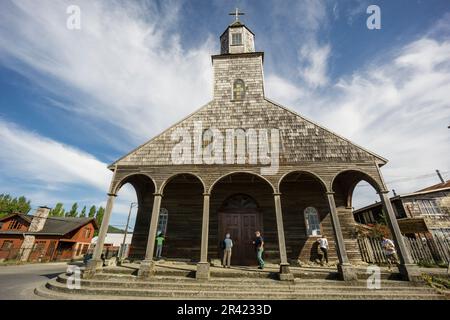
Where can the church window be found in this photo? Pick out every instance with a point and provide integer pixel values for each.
(236, 39)
(15, 225)
(238, 89)
(312, 221)
(162, 220)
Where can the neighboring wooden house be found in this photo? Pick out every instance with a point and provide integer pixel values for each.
(42, 238)
(425, 212)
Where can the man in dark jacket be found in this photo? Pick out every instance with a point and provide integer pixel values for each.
(259, 248)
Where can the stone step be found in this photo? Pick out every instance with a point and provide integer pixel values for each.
(305, 281)
(223, 273)
(242, 294)
(174, 284)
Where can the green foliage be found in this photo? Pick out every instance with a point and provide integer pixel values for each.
(10, 205)
(92, 212)
(441, 282)
(83, 212)
(58, 210)
(112, 229)
(73, 211)
(99, 216)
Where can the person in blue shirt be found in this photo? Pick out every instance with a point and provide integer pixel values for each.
(227, 245)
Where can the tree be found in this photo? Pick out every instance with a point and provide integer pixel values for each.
(83, 212)
(10, 205)
(23, 205)
(99, 216)
(58, 210)
(92, 212)
(73, 211)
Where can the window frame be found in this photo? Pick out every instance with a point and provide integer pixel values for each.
(309, 230)
(429, 207)
(234, 91)
(163, 212)
(233, 43)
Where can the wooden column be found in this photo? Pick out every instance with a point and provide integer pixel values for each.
(406, 266)
(96, 262)
(285, 273)
(344, 267)
(203, 265)
(146, 268)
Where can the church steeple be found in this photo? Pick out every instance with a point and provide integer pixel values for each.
(238, 69)
(237, 38)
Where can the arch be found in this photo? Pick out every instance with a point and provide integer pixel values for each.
(127, 179)
(231, 201)
(241, 172)
(365, 177)
(318, 178)
(167, 181)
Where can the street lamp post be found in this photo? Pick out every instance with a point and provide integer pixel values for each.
(122, 252)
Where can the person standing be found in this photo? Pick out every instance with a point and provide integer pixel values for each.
(227, 246)
(323, 245)
(159, 245)
(259, 248)
(389, 251)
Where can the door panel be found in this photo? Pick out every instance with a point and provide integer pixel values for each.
(241, 226)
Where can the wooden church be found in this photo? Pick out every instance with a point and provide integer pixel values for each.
(302, 192)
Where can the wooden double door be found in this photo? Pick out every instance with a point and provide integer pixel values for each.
(241, 225)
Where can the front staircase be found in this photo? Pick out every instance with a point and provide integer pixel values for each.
(179, 283)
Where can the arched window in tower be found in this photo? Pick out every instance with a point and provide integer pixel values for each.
(312, 221)
(238, 89)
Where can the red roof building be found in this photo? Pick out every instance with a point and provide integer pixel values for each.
(40, 237)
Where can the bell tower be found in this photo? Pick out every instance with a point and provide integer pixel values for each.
(237, 38)
(238, 69)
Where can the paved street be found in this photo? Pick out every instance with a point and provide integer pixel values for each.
(18, 282)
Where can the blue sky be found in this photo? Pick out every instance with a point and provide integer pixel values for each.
(73, 101)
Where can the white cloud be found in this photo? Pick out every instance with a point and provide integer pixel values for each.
(31, 157)
(50, 172)
(125, 66)
(399, 108)
(314, 63)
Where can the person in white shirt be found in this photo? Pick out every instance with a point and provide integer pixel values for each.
(323, 245)
(389, 251)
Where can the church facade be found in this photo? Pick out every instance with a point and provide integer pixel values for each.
(243, 163)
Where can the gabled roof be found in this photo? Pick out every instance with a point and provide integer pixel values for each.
(439, 186)
(24, 216)
(302, 140)
(64, 225)
(54, 225)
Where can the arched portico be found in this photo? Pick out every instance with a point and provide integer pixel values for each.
(343, 185)
(144, 186)
(268, 216)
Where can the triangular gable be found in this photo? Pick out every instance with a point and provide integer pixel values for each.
(302, 140)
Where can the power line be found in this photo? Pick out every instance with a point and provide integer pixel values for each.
(405, 179)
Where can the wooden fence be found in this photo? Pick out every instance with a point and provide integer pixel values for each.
(431, 251)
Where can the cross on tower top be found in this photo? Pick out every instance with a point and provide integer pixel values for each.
(236, 14)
